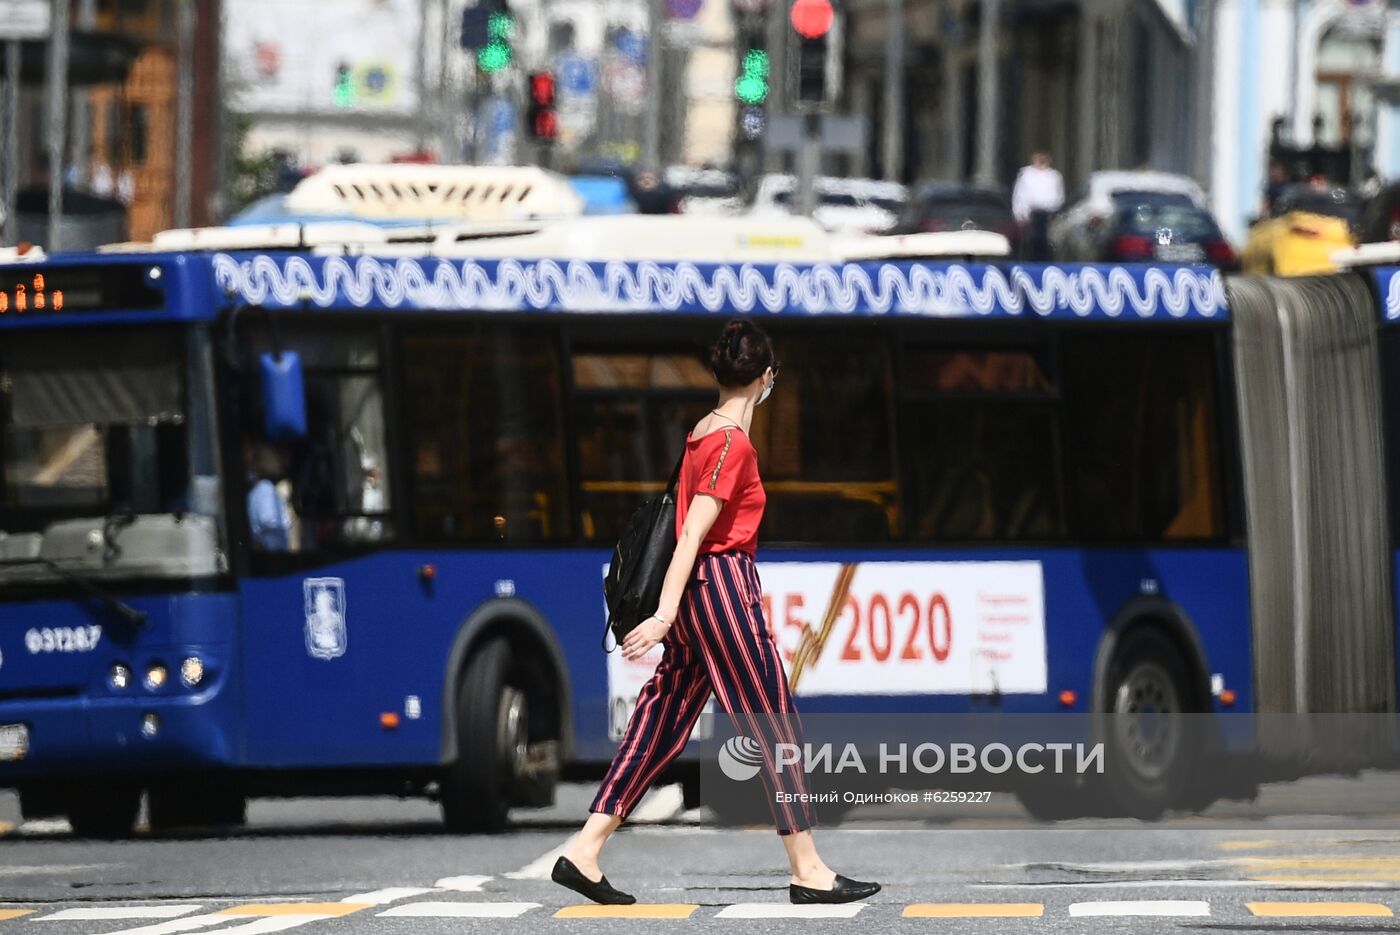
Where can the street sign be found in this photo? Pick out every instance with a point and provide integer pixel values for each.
(631, 45)
(577, 76)
(838, 134)
(683, 9)
(626, 83)
(25, 19)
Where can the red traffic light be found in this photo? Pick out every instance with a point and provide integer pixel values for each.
(546, 125)
(812, 18)
(542, 87)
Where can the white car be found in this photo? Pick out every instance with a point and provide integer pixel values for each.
(843, 205)
(708, 192)
(1073, 232)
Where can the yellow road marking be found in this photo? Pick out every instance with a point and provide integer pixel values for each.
(263, 910)
(13, 913)
(1371, 864)
(1319, 909)
(1247, 845)
(972, 910)
(634, 911)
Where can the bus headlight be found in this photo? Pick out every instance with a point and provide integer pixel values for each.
(156, 676)
(119, 677)
(192, 671)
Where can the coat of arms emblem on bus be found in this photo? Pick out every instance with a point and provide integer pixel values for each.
(324, 600)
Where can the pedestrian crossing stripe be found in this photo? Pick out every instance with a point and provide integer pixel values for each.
(972, 910)
(634, 911)
(458, 910)
(1141, 907)
(1300, 909)
(100, 913)
(324, 910)
(788, 911)
(13, 913)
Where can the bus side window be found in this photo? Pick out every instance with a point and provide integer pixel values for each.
(1143, 429)
(825, 442)
(635, 405)
(483, 422)
(981, 435)
(334, 483)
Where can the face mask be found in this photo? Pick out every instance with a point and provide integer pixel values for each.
(766, 390)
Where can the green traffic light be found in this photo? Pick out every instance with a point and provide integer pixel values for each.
(751, 89)
(752, 85)
(756, 64)
(500, 26)
(344, 93)
(493, 56)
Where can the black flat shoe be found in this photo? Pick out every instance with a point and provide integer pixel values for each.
(842, 891)
(566, 874)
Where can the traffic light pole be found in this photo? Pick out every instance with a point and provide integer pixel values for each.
(10, 163)
(808, 158)
(651, 127)
(58, 123)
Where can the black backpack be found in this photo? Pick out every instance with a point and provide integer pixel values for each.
(639, 562)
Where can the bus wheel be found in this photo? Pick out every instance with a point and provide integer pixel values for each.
(199, 806)
(1150, 748)
(104, 810)
(492, 744)
(1055, 800)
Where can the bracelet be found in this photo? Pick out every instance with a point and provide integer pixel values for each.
(661, 619)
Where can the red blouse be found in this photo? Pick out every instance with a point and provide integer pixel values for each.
(723, 464)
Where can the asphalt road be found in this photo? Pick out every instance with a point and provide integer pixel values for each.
(1296, 862)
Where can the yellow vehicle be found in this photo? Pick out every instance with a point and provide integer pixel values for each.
(1306, 226)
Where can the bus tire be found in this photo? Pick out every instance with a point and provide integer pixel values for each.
(194, 806)
(1055, 800)
(1150, 749)
(105, 810)
(492, 743)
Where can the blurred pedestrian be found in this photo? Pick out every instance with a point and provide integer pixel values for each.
(1038, 194)
(710, 623)
(1278, 180)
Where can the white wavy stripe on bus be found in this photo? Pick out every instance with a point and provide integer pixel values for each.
(949, 290)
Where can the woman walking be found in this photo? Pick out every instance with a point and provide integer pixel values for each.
(710, 621)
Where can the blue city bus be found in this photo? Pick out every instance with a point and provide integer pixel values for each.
(334, 521)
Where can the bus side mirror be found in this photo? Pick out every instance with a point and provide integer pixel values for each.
(283, 396)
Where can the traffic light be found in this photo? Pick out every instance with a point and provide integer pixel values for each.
(497, 53)
(815, 55)
(751, 87)
(344, 93)
(541, 119)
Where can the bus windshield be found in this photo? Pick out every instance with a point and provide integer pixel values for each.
(103, 465)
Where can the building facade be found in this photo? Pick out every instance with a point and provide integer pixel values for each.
(1311, 72)
(142, 128)
(1097, 83)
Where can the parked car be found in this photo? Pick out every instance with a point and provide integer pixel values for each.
(1163, 231)
(603, 194)
(712, 192)
(954, 206)
(1075, 231)
(1306, 226)
(844, 205)
(1380, 215)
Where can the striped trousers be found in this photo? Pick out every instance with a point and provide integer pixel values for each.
(719, 644)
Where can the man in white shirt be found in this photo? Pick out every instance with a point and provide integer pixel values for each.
(1039, 193)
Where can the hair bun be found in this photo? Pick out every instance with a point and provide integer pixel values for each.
(732, 339)
(741, 354)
